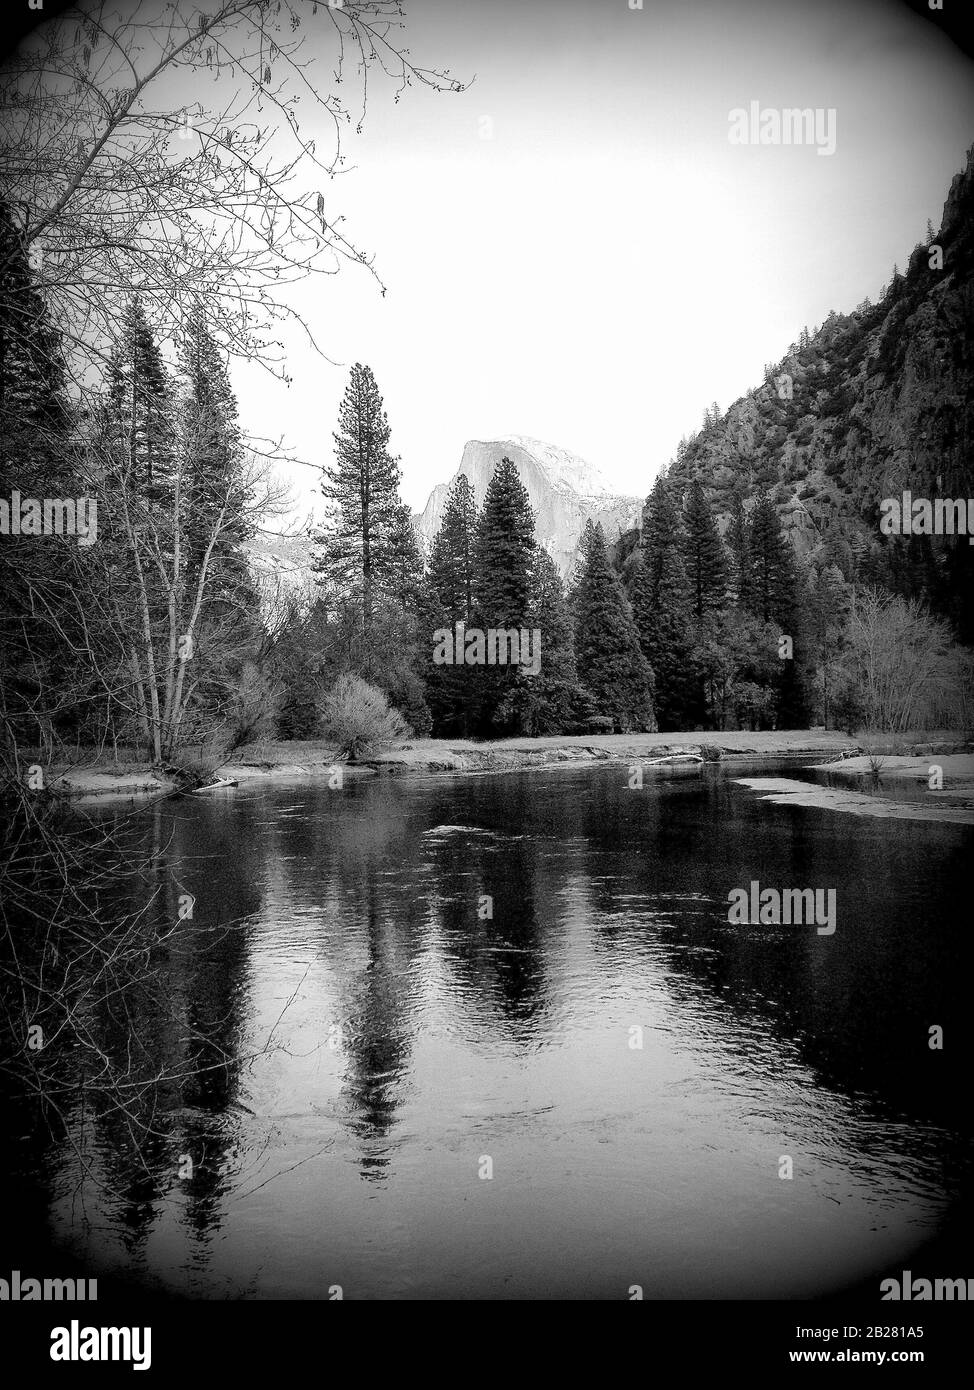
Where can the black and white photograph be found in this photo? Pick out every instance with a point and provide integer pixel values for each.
(486, 672)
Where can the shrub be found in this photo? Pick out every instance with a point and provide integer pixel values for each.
(357, 717)
(255, 708)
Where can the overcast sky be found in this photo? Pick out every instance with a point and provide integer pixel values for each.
(574, 249)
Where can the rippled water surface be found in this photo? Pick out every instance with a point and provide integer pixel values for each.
(630, 1069)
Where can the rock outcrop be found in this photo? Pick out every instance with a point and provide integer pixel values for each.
(874, 402)
(564, 491)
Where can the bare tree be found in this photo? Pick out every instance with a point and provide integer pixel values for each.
(904, 666)
(171, 631)
(159, 147)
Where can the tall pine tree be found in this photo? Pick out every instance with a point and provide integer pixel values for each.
(38, 458)
(138, 425)
(451, 564)
(213, 462)
(774, 588)
(610, 660)
(739, 545)
(452, 689)
(552, 701)
(504, 553)
(703, 555)
(771, 574)
(662, 608)
(355, 547)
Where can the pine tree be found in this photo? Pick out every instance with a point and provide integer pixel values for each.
(452, 690)
(504, 553)
(663, 620)
(775, 587)
(551, 701)
(137, 434)
(213, 450)
(38, 458)
(703, 555)
(405, 584)
(610, 660)
(660, 597)
(770, 570)
(451, 567)
(504, 550)
(739, 545)
(355, 546)
(829, 599)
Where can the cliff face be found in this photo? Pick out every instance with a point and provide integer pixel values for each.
(874, 402)
(564, 491)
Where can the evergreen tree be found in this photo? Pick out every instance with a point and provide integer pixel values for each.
(213, 450)
(400, 646)
(355, 550)
(504, 553)
(770, 571)
(452, 690)
(405, 583)
(739, 544)
(451, 567)
(774, 597)
(504, 550)
(829, 600)
(137, 435)
(661, 604)
(703, 555)
(611, 663)
(38, 458)
(552, 701)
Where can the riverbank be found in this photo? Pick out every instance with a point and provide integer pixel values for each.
(947, 806)
(955, 769)
(944, 774)
(318, 759)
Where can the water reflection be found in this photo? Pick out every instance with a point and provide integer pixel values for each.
(381, 987)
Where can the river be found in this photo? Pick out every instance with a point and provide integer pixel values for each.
(494, 1037)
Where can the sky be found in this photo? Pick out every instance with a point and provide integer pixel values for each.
(573, 247)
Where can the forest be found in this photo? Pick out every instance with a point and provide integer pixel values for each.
(124, 305)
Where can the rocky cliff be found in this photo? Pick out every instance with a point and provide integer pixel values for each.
(564, 490)
(874, 402)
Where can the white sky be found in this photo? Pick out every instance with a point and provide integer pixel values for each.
(608, 263)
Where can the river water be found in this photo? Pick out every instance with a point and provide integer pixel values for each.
(494, 1037)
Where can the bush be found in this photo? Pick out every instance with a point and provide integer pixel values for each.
(255, 708)
(357, 717)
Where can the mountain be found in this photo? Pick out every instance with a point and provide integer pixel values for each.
(874, 402)
(281, 563)
(564, 491)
